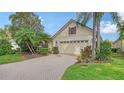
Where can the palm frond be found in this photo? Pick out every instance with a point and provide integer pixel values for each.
(84, 17)
(116, 19)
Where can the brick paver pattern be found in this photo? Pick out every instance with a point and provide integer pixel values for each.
(49, 67)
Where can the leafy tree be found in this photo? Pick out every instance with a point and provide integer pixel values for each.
(5, 45)
(2, 34)
(28, 37)
(26, 27)
(26, 19)
(5, 34)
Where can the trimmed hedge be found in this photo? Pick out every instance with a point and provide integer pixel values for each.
(115, 50)
(55, 50)
(43, 51)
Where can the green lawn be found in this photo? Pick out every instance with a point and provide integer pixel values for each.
(106, 71)
(10, 58)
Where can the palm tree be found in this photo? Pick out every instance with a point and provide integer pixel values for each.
(42, 37)
(122, 35)
(84, 17)
(94, 35)
(26, 35)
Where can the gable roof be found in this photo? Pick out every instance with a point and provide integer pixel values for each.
(70, 21)
(116, 41)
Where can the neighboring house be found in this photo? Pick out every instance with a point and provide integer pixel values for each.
(72, 37)
(14, 44)
(119, 44)
(12, 41)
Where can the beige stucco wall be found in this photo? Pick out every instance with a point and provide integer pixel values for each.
(82, 33)
(117, 44)
(123, 45)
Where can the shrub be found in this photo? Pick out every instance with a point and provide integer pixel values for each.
(5, 48)
(115, 50)
(55, 50)
(43, 51)
(18, 50)
(85, 53)
(23, 47)
(104, 52)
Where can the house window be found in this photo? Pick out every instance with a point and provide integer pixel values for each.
(61, 42)
(82, 41)
(74, 41)
(78, 41)
(67, 41)
(72, 30)
(86, 41)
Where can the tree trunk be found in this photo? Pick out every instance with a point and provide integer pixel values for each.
(121, 44)
(98, 31)
(94, 36)
(29, 47)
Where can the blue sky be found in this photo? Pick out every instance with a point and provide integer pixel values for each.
(53, 21)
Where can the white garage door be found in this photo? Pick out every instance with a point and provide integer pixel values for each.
(72, 47)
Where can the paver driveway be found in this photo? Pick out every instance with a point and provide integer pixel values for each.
(43, 68)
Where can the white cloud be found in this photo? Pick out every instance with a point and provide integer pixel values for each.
(108, 27)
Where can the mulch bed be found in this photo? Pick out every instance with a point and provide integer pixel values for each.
(27, 55)
(109, 61)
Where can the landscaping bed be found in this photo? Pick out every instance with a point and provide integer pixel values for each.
(27, 56)
(103, 71)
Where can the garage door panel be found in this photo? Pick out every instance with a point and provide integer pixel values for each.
(72, 47)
